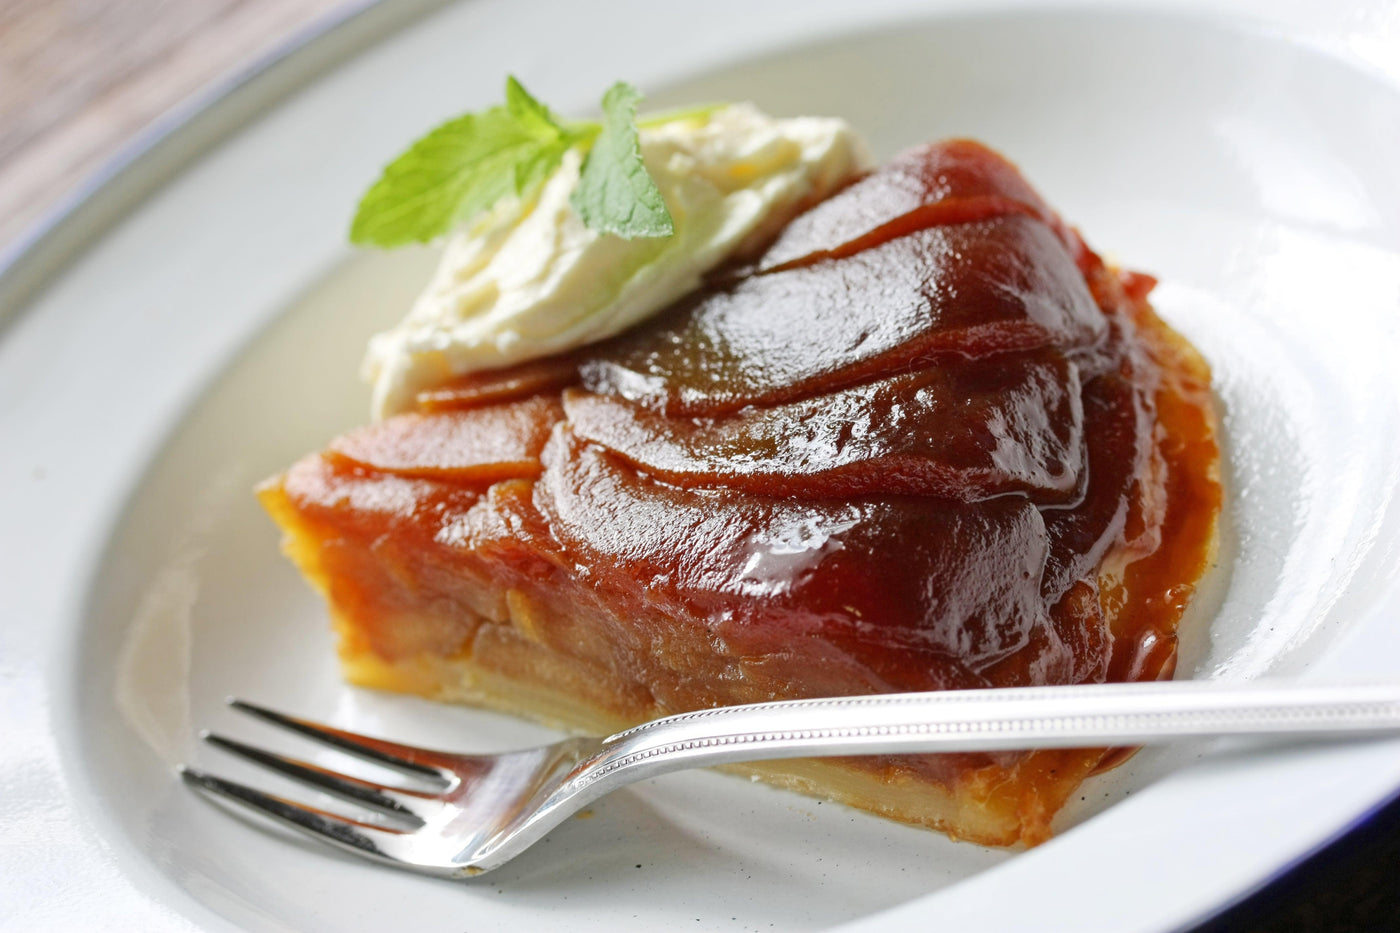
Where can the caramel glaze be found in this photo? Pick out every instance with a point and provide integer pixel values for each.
(928, 441)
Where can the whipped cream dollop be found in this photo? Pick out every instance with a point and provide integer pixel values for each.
(528, 279)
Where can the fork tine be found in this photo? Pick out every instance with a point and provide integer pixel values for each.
(407, 759)
(348, 787)
(343, 831)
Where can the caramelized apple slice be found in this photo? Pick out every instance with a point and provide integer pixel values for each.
(956, 181)
(967, 291)
(500, 385)
(960, 431)
(923, 593)
(479, 445)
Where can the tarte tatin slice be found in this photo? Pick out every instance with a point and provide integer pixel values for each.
(928, 441)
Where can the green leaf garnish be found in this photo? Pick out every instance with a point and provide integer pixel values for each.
(462, 168)
(555, 139)
(615, 194)
(693, 112)
(468, 164)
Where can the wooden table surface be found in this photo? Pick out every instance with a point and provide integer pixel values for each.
(79, 78)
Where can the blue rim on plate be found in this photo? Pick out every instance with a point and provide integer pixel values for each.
(1346, 884)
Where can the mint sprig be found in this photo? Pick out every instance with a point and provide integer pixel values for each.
(615, 194)
(466, 165)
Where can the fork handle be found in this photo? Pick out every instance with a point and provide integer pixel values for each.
(989, 720)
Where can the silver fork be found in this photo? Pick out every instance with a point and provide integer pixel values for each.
(473, 813)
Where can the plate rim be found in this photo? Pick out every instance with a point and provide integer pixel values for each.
(47, 248)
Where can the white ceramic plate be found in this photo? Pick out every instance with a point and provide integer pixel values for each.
(1245, 155)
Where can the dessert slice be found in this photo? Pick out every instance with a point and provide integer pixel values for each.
(927, 441)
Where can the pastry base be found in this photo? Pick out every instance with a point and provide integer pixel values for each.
(988, 805)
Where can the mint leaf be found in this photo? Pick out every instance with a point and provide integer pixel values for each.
(533, 169)
(462, 168)
(694, 112)
(615, 194)
(530, 113)
(555, 138)
(468, 164)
